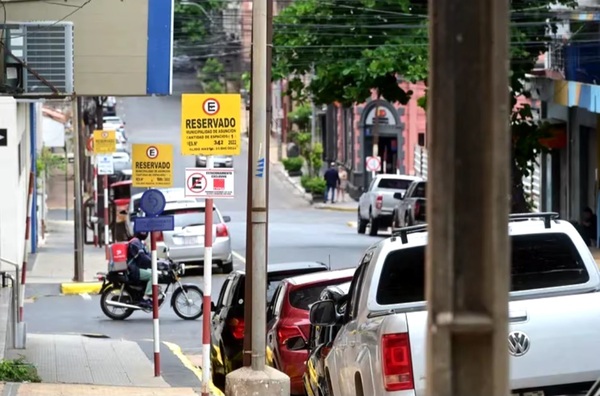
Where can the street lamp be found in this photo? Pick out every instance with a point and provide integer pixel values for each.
(192, 4)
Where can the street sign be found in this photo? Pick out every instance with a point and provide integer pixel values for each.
(209, 183)
(106, 165)
(149, 224)
(105, 142)
(373, 164)
(4, 137)
(210, 124)
(152, 165)
(153, 202)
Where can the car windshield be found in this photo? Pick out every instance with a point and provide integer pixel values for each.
(187, 217)
(538, 261)
(394, 184)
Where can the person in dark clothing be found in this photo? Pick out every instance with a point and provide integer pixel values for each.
(589, 225)
(332, 181)
(139, 264)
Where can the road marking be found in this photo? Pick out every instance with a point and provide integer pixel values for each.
(176, 350)
(352, 224)
(239, 257)
(86, 296)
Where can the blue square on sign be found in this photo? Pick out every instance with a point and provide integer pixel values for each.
(149, 224)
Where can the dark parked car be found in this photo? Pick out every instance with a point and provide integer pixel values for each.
(319, 343)
(227, 334)
(288, 324)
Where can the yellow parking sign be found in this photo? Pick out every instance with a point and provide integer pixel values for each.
(152, 165)
(105, 142)
(210, 124)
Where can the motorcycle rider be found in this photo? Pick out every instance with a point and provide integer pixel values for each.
(139, 263)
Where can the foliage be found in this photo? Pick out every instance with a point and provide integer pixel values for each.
(191, 24)
(246, 80)
(312, 34)
(301, 117)
(18, 370)
(211, 76)
(315, 157)
(47, 161)
(293, 164)
(313, 184)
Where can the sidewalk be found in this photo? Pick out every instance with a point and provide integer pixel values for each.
(14, 389)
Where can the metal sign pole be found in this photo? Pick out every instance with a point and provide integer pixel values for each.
(106, 219)
(155, 322)
(208, 239)
(96, 242)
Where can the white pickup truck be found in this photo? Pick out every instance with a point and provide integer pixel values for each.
(554, 324)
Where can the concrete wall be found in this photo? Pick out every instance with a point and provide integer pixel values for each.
(15, 165)
(111, 42)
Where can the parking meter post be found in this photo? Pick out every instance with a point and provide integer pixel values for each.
(208, 239)
(155, 322)
(96, 242)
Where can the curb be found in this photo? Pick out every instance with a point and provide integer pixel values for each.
(176, 350)
(336, 209)
(81, 288)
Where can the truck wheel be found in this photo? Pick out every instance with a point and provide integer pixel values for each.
(361, 224)
(374, 225)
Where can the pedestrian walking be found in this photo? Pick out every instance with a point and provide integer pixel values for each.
(332, 182)
(343, 185)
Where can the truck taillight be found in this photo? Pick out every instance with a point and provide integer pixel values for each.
(417, 210)
(237, 327)
(158, 235)
(397, 362)
(379, 202)
(222, 230)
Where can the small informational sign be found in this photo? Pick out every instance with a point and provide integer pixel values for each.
(106, 165)
(105, 142)
(153, 202)
(210, 124)
(373, 164)
(3, 137)
(209, 183)
(149, 224)
(152, 165)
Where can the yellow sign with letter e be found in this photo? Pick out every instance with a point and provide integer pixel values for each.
(105, 142)
(152, 165)
(210, 124)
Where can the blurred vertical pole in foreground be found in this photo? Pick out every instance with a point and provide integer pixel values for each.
(468, 251)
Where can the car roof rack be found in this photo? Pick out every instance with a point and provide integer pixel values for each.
(546, 216)
(404, 231)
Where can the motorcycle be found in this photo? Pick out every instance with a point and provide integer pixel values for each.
(120, 297)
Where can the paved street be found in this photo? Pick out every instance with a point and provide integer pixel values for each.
(297, 232)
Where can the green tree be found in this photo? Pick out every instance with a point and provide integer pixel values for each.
(354, 46)
(191, 22)
(212, 76)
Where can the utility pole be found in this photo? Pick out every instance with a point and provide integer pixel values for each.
(313, 117)
(259, 378)
(468, 252)
(77, 206)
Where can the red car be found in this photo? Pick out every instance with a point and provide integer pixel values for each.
(288, 324)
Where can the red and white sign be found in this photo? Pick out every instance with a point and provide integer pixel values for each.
(211, 106)
(373, 164)
(209, 183)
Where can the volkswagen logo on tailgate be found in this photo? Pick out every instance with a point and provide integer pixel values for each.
(518, 343)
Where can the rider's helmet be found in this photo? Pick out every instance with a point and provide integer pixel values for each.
(141, 236)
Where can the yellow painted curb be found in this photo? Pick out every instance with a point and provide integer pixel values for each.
(176, 349)
(81, 287)
(336, 209)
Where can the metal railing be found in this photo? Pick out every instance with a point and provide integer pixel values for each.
(531, 183)
(15, 296)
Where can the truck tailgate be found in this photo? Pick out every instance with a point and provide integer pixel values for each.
(389, 202)
(554, 340)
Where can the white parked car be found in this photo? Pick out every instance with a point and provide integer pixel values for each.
(554, 315)
(186, 241)
(376, 205)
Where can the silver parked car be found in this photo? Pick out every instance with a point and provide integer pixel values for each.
(186, 241)
(219, 161)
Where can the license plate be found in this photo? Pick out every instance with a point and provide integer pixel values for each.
(191, 240)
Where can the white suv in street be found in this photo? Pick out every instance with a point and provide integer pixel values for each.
(554, 315)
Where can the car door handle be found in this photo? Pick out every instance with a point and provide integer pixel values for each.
(517, 316)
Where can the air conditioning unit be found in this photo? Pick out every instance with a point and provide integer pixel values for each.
(44, 58)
